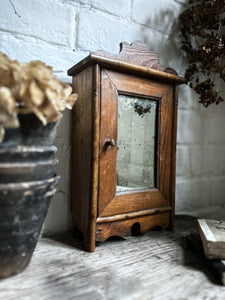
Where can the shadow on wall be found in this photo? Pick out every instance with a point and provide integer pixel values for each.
(164, 39)
(200, 187)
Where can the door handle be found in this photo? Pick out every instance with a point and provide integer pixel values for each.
(109, 142)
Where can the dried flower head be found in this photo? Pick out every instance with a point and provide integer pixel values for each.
(30, 88)
(203, 42)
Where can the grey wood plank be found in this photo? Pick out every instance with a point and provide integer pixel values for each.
(156, 265)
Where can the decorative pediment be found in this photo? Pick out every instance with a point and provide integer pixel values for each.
(137, 53)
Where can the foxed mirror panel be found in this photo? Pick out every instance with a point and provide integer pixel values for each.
(136, 143)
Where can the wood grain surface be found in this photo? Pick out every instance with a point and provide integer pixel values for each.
(133, 59)
(82, 154)
(137, 53)
(153, 266)
(107, 167)
(173, 154)
(99, 80)
(123, 228)
(109, 202)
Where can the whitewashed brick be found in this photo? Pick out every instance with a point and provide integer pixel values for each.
(183, 161)
(156, 14)
(216, 212)
(120, 8)
(216, 126)
(59, 216)
(25, 51)
(192, 194)
(59, 213)
(190, 127)
(102, 32)
(156, 42)
(49, 21)
(181, 2)
(168, 49)
(64, 129)
(188, 99)
(63, 168)
(199, 161)
(167, 46)
(208, 160)
(99, 31)
(201, 196)
(218, 192)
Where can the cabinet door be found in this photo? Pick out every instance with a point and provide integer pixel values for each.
(135, 143)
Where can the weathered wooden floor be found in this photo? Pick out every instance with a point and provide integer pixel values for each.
(156, 265)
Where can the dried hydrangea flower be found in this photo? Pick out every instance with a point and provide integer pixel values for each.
(8, 111)
(31, 88)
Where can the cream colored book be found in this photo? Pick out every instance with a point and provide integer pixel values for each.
(212, 234)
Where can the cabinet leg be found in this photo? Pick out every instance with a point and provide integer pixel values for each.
(87, 238)
(89, 243)
(171, 226)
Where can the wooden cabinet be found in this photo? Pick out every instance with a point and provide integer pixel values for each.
(123, 144)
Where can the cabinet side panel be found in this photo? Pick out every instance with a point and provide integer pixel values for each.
(82, 151)
(173, 159)
(164, 138)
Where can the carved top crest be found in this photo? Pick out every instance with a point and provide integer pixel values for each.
(135, 58)
(137, 53)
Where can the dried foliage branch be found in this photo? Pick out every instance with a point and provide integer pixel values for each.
(203, 42)
(30, 88)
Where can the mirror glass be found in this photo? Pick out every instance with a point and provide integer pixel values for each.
(136, 143)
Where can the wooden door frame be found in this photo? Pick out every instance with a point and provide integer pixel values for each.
(112, 84)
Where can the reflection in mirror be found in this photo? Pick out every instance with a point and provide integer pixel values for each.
(136, 142)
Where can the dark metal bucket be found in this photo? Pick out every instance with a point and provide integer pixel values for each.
(28, 181)
(23, 208)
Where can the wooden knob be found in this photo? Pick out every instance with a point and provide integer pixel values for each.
(109, 142)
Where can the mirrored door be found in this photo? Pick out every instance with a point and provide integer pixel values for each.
(136, 143)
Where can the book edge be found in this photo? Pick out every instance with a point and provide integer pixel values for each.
(206, 230)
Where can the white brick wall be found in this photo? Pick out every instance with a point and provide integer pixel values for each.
(43, 20)
(97, 31)
(62, 32)
(155, 14)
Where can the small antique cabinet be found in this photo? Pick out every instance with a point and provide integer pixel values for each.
(123, 143)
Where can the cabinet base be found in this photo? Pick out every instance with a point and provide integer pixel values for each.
(132, 226)
(124, 227)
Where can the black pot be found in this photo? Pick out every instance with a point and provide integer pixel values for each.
(27, 171)
(30, 133)
(26, 153)
(23, 209)
(28, 181)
